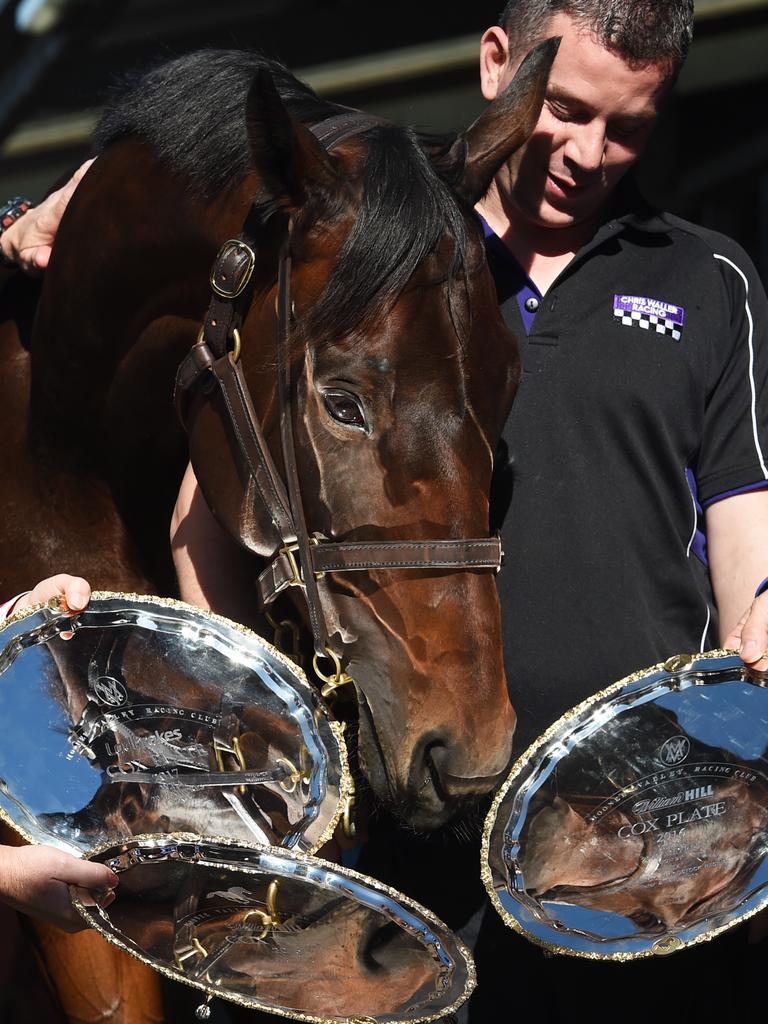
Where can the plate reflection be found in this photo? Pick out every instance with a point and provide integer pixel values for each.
(283, 932)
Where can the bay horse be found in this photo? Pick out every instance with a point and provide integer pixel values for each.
(397, 339)
(403, 374)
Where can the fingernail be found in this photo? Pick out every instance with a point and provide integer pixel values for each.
(113, 879)
(104, 899)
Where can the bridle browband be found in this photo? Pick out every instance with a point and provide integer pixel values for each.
(302, 559)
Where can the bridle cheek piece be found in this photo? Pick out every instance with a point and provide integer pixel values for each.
(301, 559)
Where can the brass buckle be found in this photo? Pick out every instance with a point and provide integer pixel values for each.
(220, 749)
(499, 567)
(234, 249)
(290, 551)
(297, 577)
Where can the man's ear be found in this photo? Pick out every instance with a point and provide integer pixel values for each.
(494, 60)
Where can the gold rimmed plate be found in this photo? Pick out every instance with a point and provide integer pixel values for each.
(638, 823)
(143, 715)
(281, 932)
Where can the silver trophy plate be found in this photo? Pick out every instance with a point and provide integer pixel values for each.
(281, 932)
(638, 823)
(141, 715)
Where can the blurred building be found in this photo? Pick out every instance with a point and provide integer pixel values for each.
(413, 61)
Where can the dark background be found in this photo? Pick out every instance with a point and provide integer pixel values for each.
(415, 61)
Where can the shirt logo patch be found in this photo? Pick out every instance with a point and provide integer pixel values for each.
(649, 315)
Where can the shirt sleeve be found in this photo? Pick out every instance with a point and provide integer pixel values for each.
(7, 609)
(733, 455)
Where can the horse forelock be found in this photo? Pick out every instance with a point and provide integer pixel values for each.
(406, 217)
(191, 110)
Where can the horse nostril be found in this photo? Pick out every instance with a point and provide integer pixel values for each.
(435, 753)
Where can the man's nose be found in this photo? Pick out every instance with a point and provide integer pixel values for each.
(586, 148)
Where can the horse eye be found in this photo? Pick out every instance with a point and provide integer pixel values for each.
(345, 408)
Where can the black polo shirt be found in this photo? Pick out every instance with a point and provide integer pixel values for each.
(643, 399)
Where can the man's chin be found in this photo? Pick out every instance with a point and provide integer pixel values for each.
(554, 213)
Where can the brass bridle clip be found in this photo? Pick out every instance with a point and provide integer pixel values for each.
(333, 682)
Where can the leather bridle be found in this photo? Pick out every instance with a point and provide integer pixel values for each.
(302, 559)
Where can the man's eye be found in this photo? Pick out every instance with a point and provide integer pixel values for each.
(345, 408)
(625, 131)
(558, 111)
(569, 113)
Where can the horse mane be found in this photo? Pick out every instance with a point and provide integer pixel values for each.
(191, 111)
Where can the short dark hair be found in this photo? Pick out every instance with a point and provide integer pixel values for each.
(641, 31)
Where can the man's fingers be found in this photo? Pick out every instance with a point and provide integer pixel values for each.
(58, 910)
(29, 239)
(36, 879)
(77, 593)
(40, 257)
(85, 874)
(73, 591)
(77, 177)
(754, 636)
(733, 641)
(89, 898)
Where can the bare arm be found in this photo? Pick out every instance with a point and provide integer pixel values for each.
(737, 540)
(213, 571)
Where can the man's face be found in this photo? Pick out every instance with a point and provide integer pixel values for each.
(595, 122)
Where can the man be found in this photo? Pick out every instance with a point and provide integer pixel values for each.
(644, 341)
(645, 346)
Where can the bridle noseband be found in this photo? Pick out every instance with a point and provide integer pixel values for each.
(302, 559)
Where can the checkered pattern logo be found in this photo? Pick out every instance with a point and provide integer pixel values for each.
(649, 315)
(650, 321)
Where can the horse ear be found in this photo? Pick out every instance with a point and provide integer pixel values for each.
(505, 125)
(287, 156)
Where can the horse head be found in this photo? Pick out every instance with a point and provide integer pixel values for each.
(402, 375)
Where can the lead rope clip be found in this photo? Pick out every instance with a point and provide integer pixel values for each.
(331, 683)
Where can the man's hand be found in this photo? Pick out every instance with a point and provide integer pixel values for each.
(34, 880)
(73, 591)
(737, 541)
(28, 241)
(750, 635)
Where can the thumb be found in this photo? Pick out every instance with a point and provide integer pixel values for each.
(754, 636)
(86, 874)
(733, 641)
